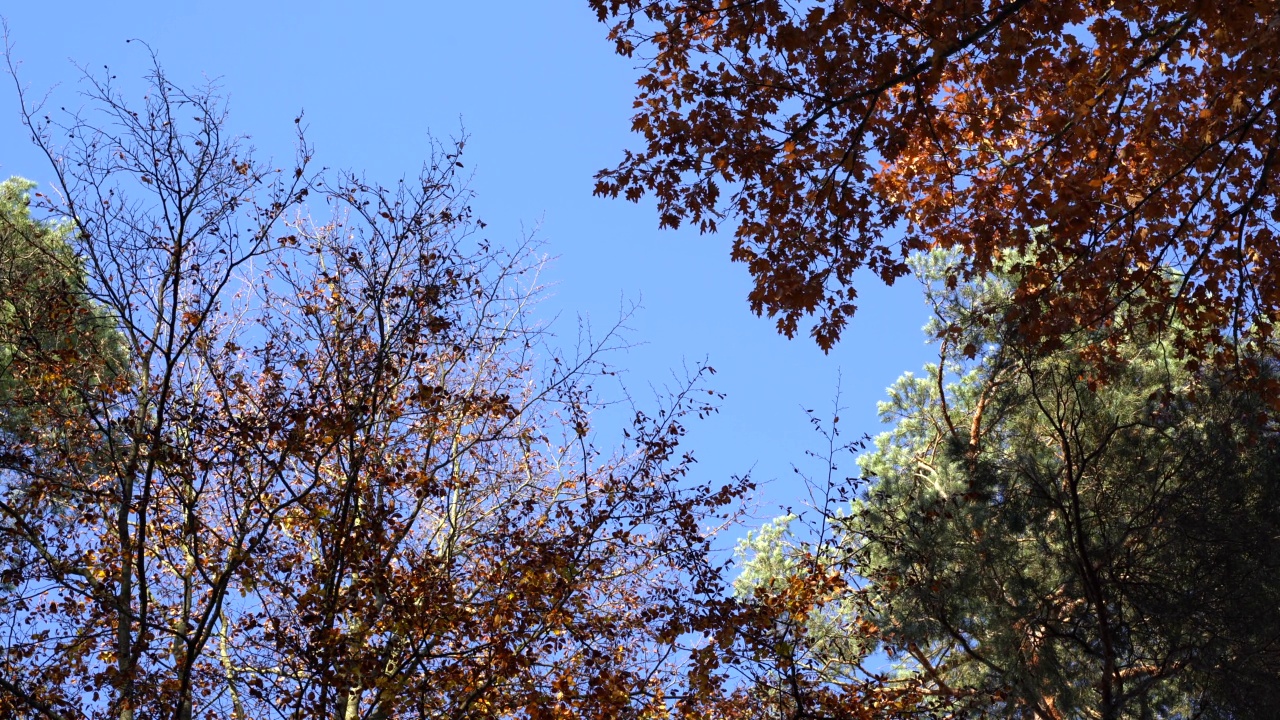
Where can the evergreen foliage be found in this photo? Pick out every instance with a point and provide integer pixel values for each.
(1064, 536)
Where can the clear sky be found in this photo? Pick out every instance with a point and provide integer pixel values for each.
(546, 104)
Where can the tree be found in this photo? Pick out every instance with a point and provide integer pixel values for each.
(43, 319)
(846, 135)
(332, 477)
(803, 647)
(1064, 547)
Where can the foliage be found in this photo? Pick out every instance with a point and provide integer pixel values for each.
(1067, 548)
(845, 135)
(805, 645)
(335, 480)
(44, 316)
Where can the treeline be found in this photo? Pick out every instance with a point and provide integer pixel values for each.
(285, 442)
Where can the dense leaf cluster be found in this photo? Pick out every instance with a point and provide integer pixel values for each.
(845, 135)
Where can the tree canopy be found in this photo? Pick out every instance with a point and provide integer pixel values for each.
(286, 442)
(340, 472)
(846, 135)
(1053, 547)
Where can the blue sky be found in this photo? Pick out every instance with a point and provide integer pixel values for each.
(545, 104)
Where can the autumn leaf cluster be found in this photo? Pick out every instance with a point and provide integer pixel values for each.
(1140, 137)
